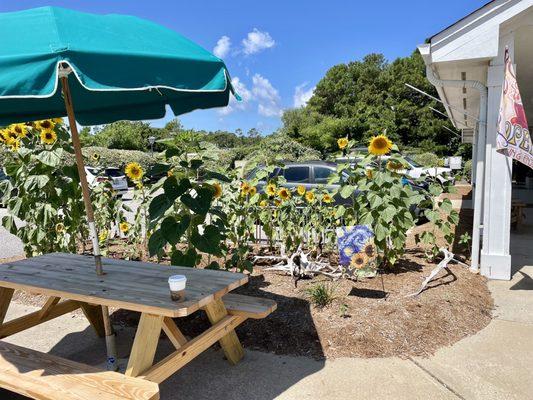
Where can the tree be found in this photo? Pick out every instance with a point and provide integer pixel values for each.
(364, 98)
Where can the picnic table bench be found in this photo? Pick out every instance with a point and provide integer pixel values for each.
(70, 282)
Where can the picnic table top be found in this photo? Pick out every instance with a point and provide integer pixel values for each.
(131, 285)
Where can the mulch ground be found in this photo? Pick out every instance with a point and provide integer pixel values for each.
(374, 317)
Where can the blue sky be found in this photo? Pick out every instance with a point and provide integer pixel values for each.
(276, 50)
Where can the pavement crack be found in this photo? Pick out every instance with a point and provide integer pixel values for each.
(436, 378)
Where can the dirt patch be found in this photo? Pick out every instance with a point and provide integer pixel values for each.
(369, 318)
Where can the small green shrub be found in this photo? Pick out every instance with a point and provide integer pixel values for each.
(428, 160)
(467, 170)
(117, 158)
(321, 294)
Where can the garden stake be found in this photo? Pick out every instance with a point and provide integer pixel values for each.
(109, 334)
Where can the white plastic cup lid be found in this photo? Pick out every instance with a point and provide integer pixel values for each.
(177, 282)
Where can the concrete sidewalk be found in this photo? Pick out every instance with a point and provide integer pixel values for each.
(493, 364)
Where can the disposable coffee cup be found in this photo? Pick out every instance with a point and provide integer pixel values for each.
(177, 285)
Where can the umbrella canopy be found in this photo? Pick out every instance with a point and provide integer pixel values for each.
(125, 68)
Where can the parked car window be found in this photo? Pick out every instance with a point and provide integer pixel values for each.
(297, 174)
(322, 174)
(113, 172)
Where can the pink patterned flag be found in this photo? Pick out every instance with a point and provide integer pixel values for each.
(514, 139)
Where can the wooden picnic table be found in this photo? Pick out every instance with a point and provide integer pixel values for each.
(71, 283)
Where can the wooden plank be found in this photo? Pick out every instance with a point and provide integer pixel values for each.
(48, 305)
(47, 377)
(95, 317)
(6, 294)
(173, 362)
(33, 319)
(129, 285)
(145, 344)
(248, 306)
(230, 343)
(173, 332)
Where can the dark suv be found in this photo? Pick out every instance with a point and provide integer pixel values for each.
(311, 174)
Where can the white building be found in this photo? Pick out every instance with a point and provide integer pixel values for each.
(466, 64)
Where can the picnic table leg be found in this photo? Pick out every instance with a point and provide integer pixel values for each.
(5, 299)
(230, 343)
(145, 344)
(95, 317)
(173, 333)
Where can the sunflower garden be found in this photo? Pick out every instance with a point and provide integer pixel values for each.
(194, 216)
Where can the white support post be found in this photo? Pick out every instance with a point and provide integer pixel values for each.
(495, 255)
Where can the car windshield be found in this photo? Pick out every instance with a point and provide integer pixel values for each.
(412, 162)
(113, 172)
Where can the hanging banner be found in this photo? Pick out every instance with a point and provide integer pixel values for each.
(513, 139)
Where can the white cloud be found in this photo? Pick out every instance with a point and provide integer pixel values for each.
(246, 96)
(257, 41)
(223, 47)
(302, 96)
(267, 96)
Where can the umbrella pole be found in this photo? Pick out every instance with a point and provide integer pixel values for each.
(109, 334)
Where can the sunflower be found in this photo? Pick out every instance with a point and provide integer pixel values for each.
(310, 196)
(15, 145)
(2, 135)
(245, 188)
(19, 129)
(9, 136)
(60, 228)
(369, 250)
(170, 173)
(326, 198)
(45, 125)
(252, 191)
(394, 165)
(95, 156)
(369, 173)
(102, 237)
(379, 145)
(48, 136)
(124, 227)
(277, 202)
(359, 261)
(301, 190)
(134, 171)
(263, 203)
(271, 189)
(284, 194)
(342, 143)
(57, 121)
(218, 190)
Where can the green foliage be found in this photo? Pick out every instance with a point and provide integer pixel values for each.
(116, 158)
(49, 198)
(467, 170)
(428, 160)
(278, 147)
(184, 220)
(362, 98)
(321, 294)
(442, 218)
(124, 135)
(384, 203)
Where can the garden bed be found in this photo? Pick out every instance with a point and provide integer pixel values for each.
(362, 320)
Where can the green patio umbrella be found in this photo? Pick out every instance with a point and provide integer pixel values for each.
(98, 69)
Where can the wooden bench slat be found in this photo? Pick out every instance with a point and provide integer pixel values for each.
(248, 306)
(47, 377)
